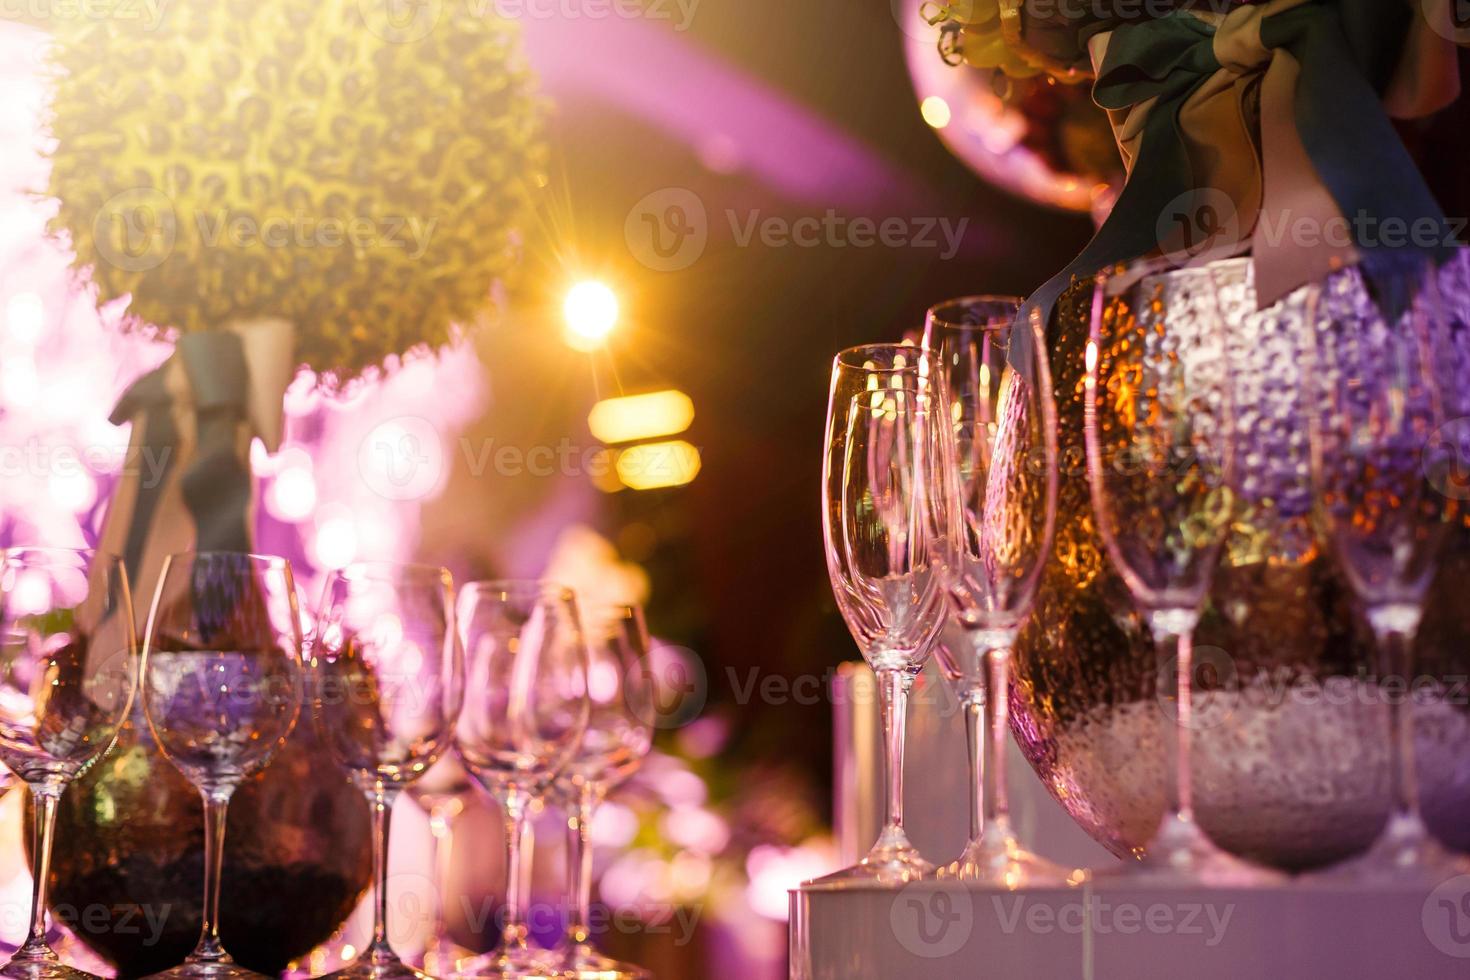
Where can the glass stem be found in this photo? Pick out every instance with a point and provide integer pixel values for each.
(216, 804)
(513, 932)
(1175, 650)
(1396, 646)
(975, 740)
(579, 862)
(43, 831)
(441, 831)
(998, 726)
(381, 799)
(893, 690)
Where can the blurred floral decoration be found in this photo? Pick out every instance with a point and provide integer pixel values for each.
(333, 164)
(1022, 39)
(995, 105)
(588, 564)
(971, 34)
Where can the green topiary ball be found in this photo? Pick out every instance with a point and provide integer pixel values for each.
(357, 167)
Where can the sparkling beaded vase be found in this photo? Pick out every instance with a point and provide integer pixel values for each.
(1291, 749)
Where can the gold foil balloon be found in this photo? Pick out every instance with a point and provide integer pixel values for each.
(355, 168)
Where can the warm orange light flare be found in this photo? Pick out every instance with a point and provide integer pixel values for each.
(645, 416)
(654, 465)
(591, 313)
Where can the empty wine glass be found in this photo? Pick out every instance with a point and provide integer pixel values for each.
(888, 541)
(1005, 445)
(1159, 429)
(222, 680)
(856, 370)
(1377, 411)
(387, 679)
(68, 671)
(525, 711)
(617, 739)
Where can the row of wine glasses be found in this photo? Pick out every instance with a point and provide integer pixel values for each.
(940, 479)
(539, 703)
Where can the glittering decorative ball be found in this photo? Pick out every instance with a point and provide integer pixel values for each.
(357, 168)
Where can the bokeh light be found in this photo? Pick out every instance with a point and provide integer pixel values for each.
(935, 111)
(591, 312)
(646, 416)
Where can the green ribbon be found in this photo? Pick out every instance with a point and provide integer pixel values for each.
(1347, 50)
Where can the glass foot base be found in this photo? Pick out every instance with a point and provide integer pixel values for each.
(445, 959)
(377, 964)
(23, 967)
(997, 858)
(208, 970)
(1406, 853)
(892, 862)
(521, 964)
(1180, 855)
(582, 962)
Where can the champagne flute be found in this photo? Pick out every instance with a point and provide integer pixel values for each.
(221, 687)
(888, 541)
(617, 739)
(525, 712)
(387, 679)
(1159, 427)
(1377, 409)
(68, 672)
(1005, 439)
(857, 370)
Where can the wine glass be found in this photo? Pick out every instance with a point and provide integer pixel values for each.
(222, 680)
(442, 793)
(1159, 428)
(1377, 410)
(888, 541)
(68, 671)
(617, 739)
(526, 708)
(387, 680)
(1000, 404)
(856, 370)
